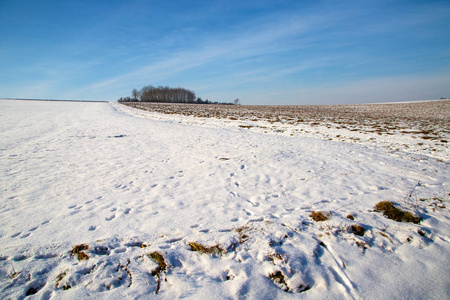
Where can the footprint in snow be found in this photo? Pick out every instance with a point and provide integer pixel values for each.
(19, 257)
(127, 211)
(25, 235)
(92, 228)
(174, 240)
(16, 234)
(45, 256)
(110, 218)
(45, 222)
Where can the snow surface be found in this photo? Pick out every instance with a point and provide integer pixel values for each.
(128, 183)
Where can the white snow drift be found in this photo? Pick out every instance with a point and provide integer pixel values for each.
(127, 186)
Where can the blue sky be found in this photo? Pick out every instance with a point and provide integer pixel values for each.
(262, 52)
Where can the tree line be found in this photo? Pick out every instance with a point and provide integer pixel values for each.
(166, 94)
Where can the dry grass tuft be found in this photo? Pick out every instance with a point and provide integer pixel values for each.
(161, 268)
(357, 229)
(278, 278)
(274, 257)
(60, 277)
(159, 259)
(243, 237)
(350, 216)
(319, 216)
(208, 250)
(391, 212)
(78, 250)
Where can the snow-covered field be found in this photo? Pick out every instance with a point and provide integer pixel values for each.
(136, 188)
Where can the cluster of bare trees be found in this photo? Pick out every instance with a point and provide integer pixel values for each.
(160, 94)
(166, 94)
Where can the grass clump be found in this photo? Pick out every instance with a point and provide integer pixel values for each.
(350, 217)
(357, 230)
(273, 257)
(319, 216)
(391, 212)
(78, 251)
(279, 279)
(161, 268)
(60, 277)
(243, 237)
(159, 259)
(208, 250)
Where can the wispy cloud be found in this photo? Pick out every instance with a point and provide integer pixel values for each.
(259, 40)
(299, 48)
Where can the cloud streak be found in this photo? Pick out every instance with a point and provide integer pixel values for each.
(255, 50)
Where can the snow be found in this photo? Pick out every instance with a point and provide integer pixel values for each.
(128, 182)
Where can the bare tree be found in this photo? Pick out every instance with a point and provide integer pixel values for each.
(135, 94)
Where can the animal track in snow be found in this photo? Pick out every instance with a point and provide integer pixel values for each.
(19, 257)
(110, 218)
(45, 256)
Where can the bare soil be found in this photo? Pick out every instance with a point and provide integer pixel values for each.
(429, 120)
